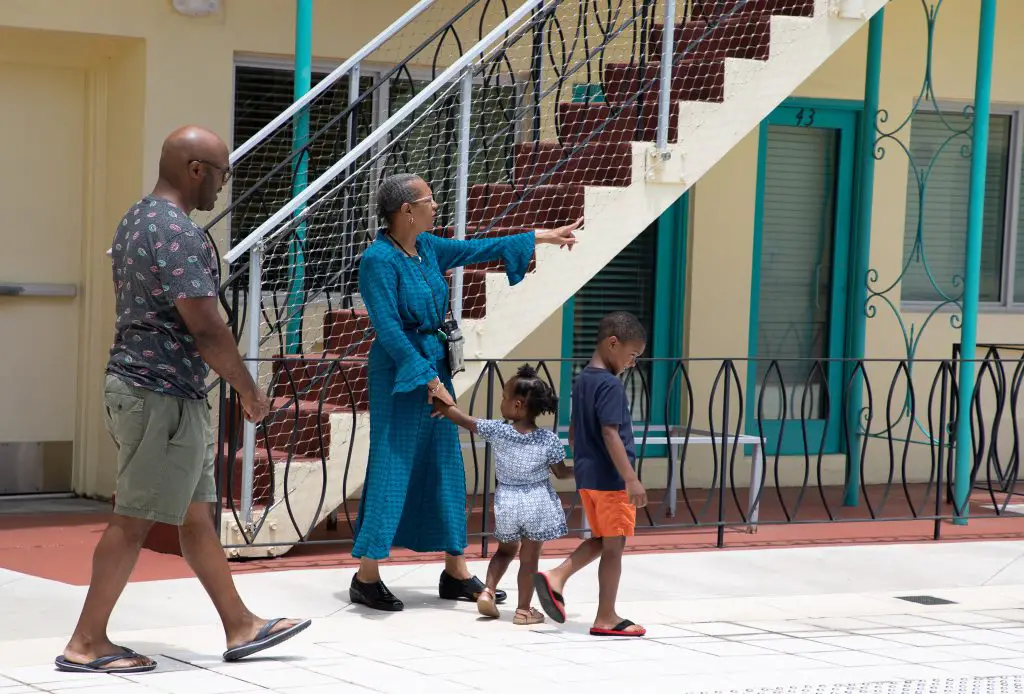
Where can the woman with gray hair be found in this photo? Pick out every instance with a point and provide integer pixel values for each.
(415, 490)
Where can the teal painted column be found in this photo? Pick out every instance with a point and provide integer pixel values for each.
(862, 253)
(300, 135)
(972, 261)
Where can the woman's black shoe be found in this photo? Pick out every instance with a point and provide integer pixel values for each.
(451, 588)
(374, 595)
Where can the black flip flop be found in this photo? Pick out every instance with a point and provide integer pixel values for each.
(265, 639)
(96, 666)
(551, 600)
(620, 629)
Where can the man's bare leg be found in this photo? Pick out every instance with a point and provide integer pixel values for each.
(112, 564)
(202, 550)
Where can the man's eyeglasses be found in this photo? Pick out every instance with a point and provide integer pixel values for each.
(224, 172)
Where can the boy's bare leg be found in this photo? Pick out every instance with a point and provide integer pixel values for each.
(608, 574)
(584, 554)
(205, 556)
(112, 564)
(529, 559)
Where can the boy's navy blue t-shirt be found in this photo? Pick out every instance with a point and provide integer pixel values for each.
(599, 399)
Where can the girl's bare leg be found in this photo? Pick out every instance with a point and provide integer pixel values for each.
(529, 560)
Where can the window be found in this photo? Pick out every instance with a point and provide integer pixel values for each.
(261, 94)
(935, 230)
(627, 284)
(624, 284)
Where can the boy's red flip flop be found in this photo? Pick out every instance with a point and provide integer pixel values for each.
(620, 629)
(551, 600)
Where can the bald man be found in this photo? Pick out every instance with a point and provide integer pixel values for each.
(168, 335)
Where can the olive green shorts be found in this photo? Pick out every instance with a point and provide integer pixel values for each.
(165, 451)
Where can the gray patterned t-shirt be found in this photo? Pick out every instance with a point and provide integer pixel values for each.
(159, 255)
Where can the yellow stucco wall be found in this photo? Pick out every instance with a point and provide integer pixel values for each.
(718, 291)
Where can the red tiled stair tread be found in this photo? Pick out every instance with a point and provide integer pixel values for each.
(708, 9)
(743, 35)
(692, 80)
(288, 415)
(594, 164)
(541, 207)
(344, 331)
(577, 122)
(688, 36)
(336, 378)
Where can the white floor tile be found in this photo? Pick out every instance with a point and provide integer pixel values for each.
(729, 649)
(283, 677)
(441, 665)
(903, 620)
(194, 682)
(795, 645)
(718, 628)
(920, 656)
(856, 643)
(336, 688)
(717, 621)
(921, 639)
(978, 668)
(852, 659)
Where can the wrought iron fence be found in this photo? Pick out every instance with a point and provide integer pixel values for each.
(717, 442)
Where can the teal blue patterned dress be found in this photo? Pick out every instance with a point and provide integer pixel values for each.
(415, 490)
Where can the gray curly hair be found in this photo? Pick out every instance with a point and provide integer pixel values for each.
(394, 192)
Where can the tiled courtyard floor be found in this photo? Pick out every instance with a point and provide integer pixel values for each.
(822, 619)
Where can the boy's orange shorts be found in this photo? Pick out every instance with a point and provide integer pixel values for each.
(609, 514)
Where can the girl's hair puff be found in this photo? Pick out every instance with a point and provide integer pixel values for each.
(538, 394)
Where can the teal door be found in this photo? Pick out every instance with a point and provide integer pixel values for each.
(800, 278)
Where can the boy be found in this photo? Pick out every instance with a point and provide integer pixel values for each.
(601, 438)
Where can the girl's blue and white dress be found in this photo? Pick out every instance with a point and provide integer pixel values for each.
(525, 503)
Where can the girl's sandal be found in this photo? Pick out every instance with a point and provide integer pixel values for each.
(527, 617)
(485, 604)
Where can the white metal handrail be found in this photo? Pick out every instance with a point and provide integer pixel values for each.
(453, 71)
(335, 75)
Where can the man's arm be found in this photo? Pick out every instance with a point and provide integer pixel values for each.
(217, 347)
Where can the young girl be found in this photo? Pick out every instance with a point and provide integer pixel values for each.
(527, 512)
